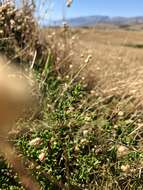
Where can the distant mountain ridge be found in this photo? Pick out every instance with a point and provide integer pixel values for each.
(97, 19)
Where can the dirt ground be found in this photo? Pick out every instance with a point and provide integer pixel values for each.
(116, 64)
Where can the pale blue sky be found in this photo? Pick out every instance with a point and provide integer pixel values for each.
(56, 9)
(97, 7)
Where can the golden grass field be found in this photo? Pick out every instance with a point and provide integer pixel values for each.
(117, 58)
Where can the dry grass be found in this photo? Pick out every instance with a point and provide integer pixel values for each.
(83, 140)
(116, 64)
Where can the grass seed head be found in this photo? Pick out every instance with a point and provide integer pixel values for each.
(122, 151)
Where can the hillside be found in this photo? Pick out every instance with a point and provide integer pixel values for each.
(97, 19)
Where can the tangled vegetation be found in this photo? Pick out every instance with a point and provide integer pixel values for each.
(79, 140)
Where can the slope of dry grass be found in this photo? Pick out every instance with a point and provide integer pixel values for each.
(116, 59)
